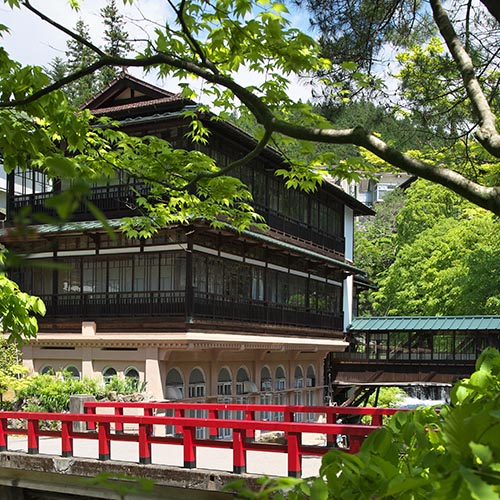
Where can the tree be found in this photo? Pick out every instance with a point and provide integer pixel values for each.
(80, 56)
(446, 260)
(215, 41)
(116, 42)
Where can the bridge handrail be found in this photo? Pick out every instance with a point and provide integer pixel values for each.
(144, 437)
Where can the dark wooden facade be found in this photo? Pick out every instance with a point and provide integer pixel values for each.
(290, 278)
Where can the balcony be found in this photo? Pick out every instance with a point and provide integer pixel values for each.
(174, 304)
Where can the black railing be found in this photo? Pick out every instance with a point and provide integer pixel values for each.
(302, 231)
(173, 303)
(113, 200)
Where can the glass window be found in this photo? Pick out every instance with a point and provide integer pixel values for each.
(72, 372)
(146, 272)
(120, 275)
(174, 385)
(108, 374)
(47, 370)
(132, 378)
(172, 271)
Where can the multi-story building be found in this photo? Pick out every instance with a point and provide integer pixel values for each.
(194, 312)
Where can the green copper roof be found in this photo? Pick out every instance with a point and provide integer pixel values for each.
(425, 323)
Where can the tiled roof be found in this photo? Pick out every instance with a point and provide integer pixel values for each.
(137, 105)
(425, 323)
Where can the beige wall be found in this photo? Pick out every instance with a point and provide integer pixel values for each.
(153, 364)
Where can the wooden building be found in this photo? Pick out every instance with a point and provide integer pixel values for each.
(193, 312)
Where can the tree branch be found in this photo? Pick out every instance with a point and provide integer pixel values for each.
(487, 133)
(60, 27)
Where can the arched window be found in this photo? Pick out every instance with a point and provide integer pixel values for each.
(224, 383)
(174, 385)
(132, 378)
(280, 388)
(266, 381)
(266, 388)
(298, 383)
(197, 389)
(310, 383)
(241, 378)
(108, 374)
(72, 372)
(224, 392)
(47, 370)
(197, 386)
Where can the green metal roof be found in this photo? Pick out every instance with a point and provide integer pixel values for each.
(425, 323)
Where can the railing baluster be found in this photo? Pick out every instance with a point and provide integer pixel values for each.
(118, 425)
(104, 440)
(4, 444)
(33, 436)
(331, 439)
(66, 439)
(144, 443)
(239, 453)
(294, 462)
(189, 434)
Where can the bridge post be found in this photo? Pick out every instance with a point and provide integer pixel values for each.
(376, 420)
(294, 462)
(355, 443)
(239, 453)
(66, 440)
(331, 439)
(3, 434)
(189, 434)
(249, 433)
(213, 431)
(104, 431)
(144, 444)
(33, 437)
(118, 425)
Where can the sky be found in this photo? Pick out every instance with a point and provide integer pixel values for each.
(33, 41)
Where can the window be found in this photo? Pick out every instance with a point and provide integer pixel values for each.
(47, 370)
(174, 385)
(108, 374)
(71, 372)
(224, 391)
(197, 389)
(132, 378)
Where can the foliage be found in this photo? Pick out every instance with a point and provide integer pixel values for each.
(419, 454)
(447, 262)
(11, 371)
(17, 309)
(51, 392)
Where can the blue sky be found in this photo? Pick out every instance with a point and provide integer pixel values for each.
(33, 41)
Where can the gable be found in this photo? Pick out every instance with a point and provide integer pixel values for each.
(127, 90)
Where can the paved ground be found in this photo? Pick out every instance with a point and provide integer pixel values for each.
(268, 463)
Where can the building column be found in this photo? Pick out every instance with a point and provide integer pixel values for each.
(152, 374)
(28, 358)
(87, 363)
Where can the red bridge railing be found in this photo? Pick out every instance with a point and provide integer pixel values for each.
(106, 428)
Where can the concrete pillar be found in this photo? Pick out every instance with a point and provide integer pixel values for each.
(76, 406)
(152, 374)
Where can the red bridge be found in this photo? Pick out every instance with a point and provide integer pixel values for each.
(193, 426)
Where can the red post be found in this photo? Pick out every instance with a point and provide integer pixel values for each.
(178, 428)
(189, 447)
(33, 437)
(148, 412)
(3, 434)
(355, 443)
(90, 425)
(331, 439)
(250, 433)
(376, 419)
(294, 462)
(104, 440)
(118, 425)
(212, 431)
(144, 443)
(239, 453)
(66, 439)
(288, 416)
